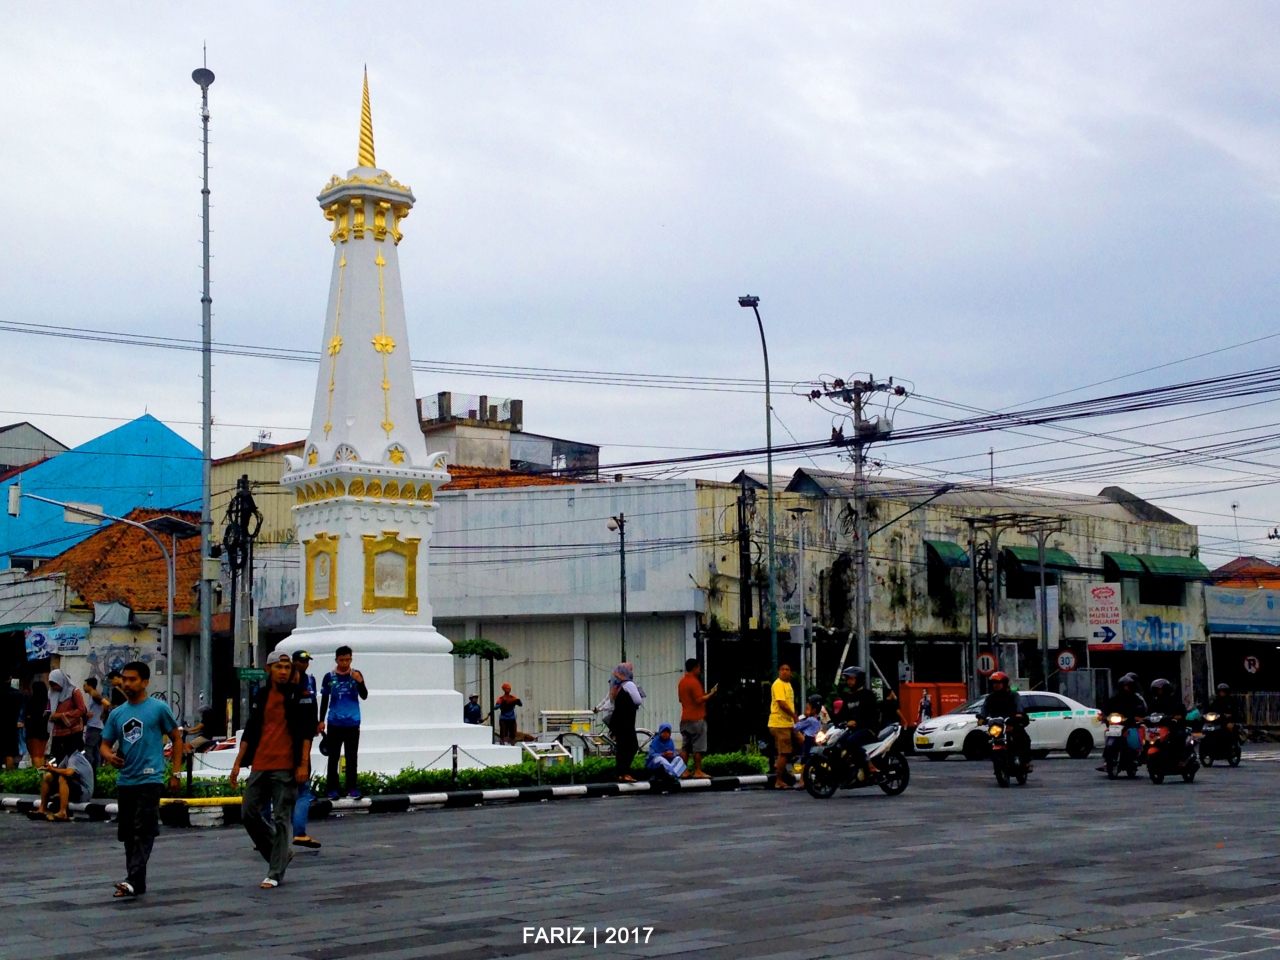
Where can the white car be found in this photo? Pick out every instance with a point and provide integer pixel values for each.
(1057, 723)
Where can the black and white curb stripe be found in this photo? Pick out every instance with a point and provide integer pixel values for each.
(179, 814)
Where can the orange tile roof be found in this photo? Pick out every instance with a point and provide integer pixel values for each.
(122, 563)
(485, 478)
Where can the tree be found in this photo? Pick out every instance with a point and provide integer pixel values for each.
(484, 650)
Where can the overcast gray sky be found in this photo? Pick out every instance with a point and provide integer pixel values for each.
(992, 201)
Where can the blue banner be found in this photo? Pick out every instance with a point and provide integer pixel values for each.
(47, 641)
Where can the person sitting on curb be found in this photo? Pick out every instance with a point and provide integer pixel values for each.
(663, 758)
(72, 782)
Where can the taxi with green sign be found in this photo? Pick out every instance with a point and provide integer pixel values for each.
(1058, 723)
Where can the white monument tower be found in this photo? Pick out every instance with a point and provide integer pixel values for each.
(365, 490)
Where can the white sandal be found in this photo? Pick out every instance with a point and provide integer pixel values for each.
(268, 883)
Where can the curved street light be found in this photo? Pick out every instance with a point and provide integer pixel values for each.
(754, 303)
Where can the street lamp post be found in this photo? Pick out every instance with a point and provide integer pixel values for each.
(619, 525)
(203, 77)
(754, 304)
(176, 527)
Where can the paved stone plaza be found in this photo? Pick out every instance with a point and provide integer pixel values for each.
(1070, 866)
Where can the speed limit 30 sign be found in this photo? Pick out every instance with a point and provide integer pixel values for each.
(1066, 661)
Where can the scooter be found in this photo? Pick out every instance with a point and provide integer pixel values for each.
(1167, 752)
(1219, 740)
(1007, 762)
(1123, 750)
(831, 763)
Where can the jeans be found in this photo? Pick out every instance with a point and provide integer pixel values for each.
(137, 824)
(302, 809)
(92, 744)
(855, 741)
(279, 790)
(342, 738)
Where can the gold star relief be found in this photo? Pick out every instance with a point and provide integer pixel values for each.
(396, 456)
(335, 345)
(383, 343)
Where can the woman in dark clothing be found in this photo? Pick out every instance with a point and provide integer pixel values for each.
(10, 720)
(35, 723)
(626, 697)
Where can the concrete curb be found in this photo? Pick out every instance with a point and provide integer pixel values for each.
(178, 814)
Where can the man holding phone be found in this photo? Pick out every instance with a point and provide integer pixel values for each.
(693, 717)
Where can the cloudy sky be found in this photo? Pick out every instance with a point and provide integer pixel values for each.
(992, 202)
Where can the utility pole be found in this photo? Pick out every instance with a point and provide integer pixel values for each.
(799, 513)
(744, 565)
(974, 691)
(754, 304)
(853, 393)
(204, 77)
(1041, 532)
(619, 525)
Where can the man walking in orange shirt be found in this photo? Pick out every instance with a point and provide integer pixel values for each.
(693, 717)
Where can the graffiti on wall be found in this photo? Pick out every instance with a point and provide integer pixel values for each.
(1154, 633)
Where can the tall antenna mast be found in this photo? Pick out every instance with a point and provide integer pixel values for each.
(203, 76)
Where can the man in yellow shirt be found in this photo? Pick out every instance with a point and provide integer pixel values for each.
(782, 716)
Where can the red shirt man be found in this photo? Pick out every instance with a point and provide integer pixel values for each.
(693, 716)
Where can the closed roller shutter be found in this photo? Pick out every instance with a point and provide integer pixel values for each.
(540, 670)
(655, 646)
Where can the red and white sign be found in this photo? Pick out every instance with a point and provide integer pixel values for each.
(1252, 664)
(1102, 605)
(986, 664)
(1066, 661)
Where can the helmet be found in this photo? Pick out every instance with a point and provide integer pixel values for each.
(1224, 688)
(815, 701)
(1127, 680)
(999, 677)
(857, 674)
(1159, 686)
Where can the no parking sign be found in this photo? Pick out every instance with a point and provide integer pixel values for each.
(986, 664)
(1252, 664)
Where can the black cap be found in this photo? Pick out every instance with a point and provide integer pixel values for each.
(302, 656)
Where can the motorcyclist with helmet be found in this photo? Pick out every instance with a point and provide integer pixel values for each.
(859, 711)
(1003, 701)
(1164, 700)
(1224, 704)
(1127, 702)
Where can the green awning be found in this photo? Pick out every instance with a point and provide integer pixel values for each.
(1125, 563)
(1188, 568)
(1053, 557)
(947, 553)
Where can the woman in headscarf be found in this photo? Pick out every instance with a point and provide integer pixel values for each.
(35, 723)
(67, 713)
(663, 758)
(626, 697)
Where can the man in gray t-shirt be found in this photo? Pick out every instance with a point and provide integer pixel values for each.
(72, 782)
(99, 706)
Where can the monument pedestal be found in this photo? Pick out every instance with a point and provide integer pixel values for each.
(413, 716)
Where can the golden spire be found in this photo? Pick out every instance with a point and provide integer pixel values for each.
(365, 156)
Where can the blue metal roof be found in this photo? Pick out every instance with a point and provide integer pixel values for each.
(141, 464)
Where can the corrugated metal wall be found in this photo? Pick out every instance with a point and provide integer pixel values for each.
(541, 667)
(655, 646)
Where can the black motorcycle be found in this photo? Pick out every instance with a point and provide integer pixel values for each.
(1123, 750)
(1169, 750)
(1219, 740)
(832, 764)
(1007, 761)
